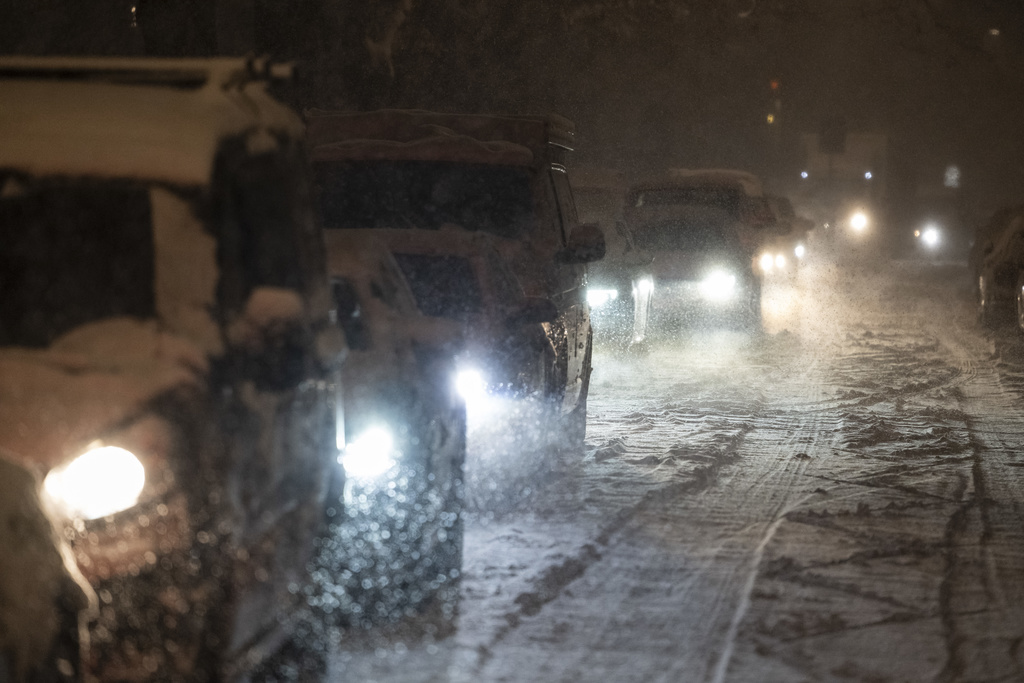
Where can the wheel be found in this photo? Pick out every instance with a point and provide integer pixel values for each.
(1019, 299)
(751, 318)
(576, 421)
(986, 307)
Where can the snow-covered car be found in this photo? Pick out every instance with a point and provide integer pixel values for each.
(399, 541)
(498, 175)
(1000, 273)
(461, 277)
(167, 363)
(785, 243)
(700, 239)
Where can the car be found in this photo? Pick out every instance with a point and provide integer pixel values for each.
(167, 362)
(599, 194)
(785, 244)
(1000, 273)
(700, 235)
(492, 174)
(398, 541)
(462, 277)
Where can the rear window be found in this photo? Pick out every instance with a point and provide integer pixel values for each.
(444, 286)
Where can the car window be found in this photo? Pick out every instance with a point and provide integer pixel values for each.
(72, 252)
(426, 195)
(444, 286)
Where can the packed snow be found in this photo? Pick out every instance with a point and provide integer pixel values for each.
(836, 499)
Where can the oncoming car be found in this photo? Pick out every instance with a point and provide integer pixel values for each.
(504, 176)
(700, 235)
(167, 364)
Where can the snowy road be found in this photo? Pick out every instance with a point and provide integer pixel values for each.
(842, 499)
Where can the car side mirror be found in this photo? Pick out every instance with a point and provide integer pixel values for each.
(534, 310)
(272, 337)
(586, 244)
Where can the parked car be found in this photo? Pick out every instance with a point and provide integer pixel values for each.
(399, 540)
(1000, 272)
(167, 363)
(701, 235)
(498, 175)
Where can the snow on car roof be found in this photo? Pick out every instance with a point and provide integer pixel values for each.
(749, 183)
(422, 135)
(131, 127)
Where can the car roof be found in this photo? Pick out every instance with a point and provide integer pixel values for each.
(430, 136)
(746, 182)
(157, 119)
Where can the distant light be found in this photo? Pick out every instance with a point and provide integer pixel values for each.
(771, 119)
(775, 84)
(952, 176)
(800, 251)
(930, 236)
(803, 174)
(859, 221)
(993, 32)
(868, 176)
(917, 233)
(780, 261)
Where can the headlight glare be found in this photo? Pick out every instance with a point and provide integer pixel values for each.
(599, 297)
(767, 262)
(645, 285)
(799, 251)
(470, 384)
(102, 481)
(370, 454)
(780, 261)
(718, 286)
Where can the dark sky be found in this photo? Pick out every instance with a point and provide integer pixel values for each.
(654, 87)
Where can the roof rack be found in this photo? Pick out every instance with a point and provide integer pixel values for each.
(221, 72)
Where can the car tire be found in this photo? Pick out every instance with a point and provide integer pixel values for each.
(987, 314)
(575, 422)
(1019, 300)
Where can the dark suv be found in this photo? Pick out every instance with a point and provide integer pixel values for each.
(502, 175)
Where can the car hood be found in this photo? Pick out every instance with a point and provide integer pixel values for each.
(56, 400)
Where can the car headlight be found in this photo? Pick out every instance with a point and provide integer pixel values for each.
(859, 221)
(767, 262)
(470, 384)
(644, 286)
(780, 261)
(718, 286)
(930, 237)
(599, 297)
(102, 481)
(799, 251)
(370, 454)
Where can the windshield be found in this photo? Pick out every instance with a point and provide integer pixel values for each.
(443, 286)
(71, 253)
(426, 195)
(718, 197)
(683, 236)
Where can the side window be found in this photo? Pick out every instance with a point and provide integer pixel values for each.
(566, 206)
